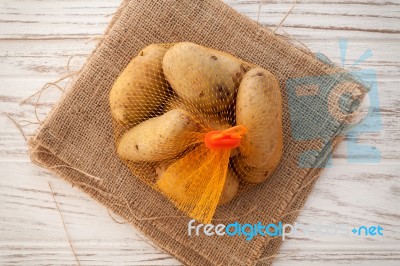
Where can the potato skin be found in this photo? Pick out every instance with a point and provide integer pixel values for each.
(203, 77)
(259, 109)
(141, 88)
(230, 189)
(158, 138)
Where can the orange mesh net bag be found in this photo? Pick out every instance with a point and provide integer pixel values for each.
(197, 124)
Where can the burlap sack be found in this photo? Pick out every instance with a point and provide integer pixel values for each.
(76, 141)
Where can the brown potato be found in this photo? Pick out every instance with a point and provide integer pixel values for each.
(141, 88)
(259, 109)
(159, 138)
(229, 191)
(203, 77)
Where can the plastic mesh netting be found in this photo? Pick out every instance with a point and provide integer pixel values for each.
(197, 124)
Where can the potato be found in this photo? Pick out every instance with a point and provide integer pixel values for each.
(158, 138)
(259, 109)
(229, 191)
(203, 77)
(141, 88)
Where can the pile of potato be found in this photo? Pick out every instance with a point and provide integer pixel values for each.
(167, 94)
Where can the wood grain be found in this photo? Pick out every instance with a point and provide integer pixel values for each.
(37, 38)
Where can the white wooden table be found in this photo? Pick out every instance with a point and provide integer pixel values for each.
(37, 38)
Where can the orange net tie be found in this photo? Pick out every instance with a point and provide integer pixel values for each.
(225, 139)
